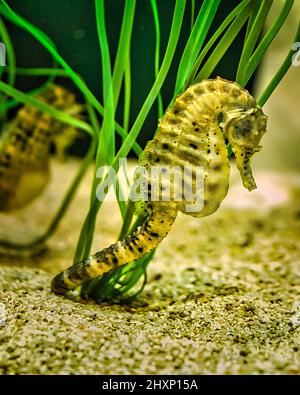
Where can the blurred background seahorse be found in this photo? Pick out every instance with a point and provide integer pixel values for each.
(26, 144)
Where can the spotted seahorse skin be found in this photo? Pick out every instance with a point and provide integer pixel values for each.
(25, 148)
(194, 132)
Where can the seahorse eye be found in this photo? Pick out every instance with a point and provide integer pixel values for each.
(242, 129)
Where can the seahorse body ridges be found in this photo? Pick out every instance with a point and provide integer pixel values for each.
(193, 132)
(25, 148)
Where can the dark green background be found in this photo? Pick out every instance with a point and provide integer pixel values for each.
(71, 25)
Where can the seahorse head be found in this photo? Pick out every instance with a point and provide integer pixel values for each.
(244, 130)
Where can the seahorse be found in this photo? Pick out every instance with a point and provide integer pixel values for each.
(25, 147)
(194, 131)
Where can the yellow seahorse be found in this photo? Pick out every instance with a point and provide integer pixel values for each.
(193, 132)
(25, 148)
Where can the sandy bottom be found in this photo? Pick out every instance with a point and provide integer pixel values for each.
(223, 295)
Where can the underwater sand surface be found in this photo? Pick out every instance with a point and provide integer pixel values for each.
(223, 295)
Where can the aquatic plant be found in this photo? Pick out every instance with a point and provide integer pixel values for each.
(199, 59)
